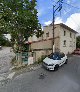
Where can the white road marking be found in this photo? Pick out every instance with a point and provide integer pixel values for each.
(11, 75)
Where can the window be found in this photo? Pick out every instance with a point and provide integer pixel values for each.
(70, 44)
(64, 43)
(64, 33)
(47, 34)
(70, 35)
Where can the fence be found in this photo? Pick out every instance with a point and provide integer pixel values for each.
(25, 57)
(31, 57)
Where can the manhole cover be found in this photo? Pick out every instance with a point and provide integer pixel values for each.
(42, 76)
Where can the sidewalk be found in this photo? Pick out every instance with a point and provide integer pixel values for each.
(24, 69)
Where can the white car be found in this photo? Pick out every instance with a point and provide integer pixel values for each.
(53, 61)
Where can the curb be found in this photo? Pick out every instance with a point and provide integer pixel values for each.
(21, 71)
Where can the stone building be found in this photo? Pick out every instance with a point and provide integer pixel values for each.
(64, 40)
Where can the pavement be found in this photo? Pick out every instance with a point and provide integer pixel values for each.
(5, 59)
(22, 70)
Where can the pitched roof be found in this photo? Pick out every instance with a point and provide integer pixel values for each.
(64, 26)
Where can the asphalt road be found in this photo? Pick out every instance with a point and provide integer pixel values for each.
(66, 79)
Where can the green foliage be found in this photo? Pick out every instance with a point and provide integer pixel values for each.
(78, 42)
(19, 18)
(40, 60)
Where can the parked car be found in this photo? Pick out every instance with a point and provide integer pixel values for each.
(54, 61)
(0, 47)
(76, 52)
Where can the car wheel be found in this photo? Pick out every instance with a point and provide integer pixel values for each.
(66, 61)
(56, 67)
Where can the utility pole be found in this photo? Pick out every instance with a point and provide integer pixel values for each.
(54, 10)
(53, 32)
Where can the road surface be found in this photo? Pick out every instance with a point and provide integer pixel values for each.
(66, 79)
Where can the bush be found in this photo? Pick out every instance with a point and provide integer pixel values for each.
(40, 60)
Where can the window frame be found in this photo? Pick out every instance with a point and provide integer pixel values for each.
(64, 43)
(70, 35)
(64, 33)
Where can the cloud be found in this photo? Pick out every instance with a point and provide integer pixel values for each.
(48, 22)
(74, 22)
(58, 20)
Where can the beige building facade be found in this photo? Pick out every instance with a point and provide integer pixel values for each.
(64, 40)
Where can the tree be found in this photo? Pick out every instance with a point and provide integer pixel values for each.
(78, 42)
(20, 19)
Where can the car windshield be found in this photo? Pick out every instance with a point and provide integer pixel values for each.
(55, 56)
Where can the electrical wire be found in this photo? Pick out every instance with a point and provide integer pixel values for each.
(66, 4)
(71, 5)
(66, 11)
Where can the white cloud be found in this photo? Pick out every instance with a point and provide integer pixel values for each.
(74, 22)
(58, 20)
(48, 22)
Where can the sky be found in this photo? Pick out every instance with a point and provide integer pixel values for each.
(69, 15)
